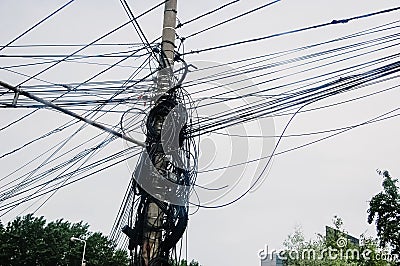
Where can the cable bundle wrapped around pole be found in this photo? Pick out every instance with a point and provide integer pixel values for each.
(164, 174)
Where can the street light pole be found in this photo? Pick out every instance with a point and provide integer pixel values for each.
(84, 248)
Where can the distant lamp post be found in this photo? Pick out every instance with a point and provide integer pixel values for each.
(84, 248)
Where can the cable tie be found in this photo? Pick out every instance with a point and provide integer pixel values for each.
(16, 96)
(166, 41)
(171, 10)
(337, 21)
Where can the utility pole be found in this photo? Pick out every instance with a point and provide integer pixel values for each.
(159, 223)
(155, 215)
(168, 33)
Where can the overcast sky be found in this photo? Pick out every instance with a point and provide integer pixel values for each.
(306, 187)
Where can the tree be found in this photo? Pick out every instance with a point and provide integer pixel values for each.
(333, 250)
(384, 208)
(30, 240)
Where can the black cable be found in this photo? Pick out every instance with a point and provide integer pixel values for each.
(232, 19)
(262, 172)
(358, 67)
(205, 14)
(370, 121)
(74, 115)
(18, 202)
(51, 45)
(290, 51)
(69, 138)
(33, 141)
(138, 29)
(253, 113)
(114, 96)
(16, 190)
(290, 61)
(274, 154)
(97, 108)
(88, 157)
(93, 42)
(34, 26)
(334, 22)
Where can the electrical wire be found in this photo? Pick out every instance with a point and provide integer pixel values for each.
(333, 22)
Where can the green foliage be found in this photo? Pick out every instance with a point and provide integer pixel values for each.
(184, 263)
(384, 208)
(332, 250)
(30, 241)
